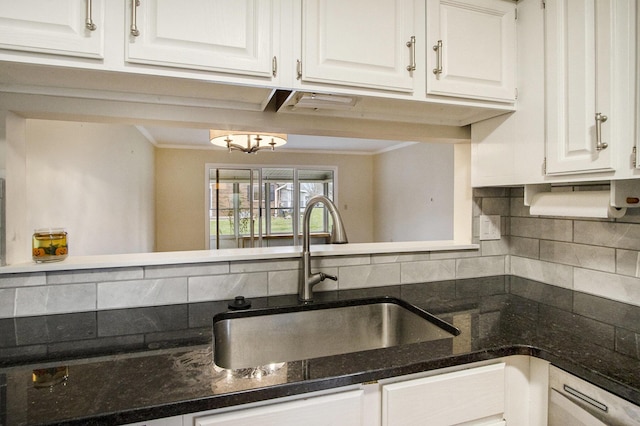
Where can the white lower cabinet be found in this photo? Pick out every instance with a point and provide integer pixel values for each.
(473, 396)
(167, 421)
(342, 408)
(573, 401)
(506, 391)
(516, 390)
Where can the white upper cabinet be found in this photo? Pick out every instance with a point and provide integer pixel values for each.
(589, 70)
(373, 50)
(578, 59)
(509, 149)
(471, 49)
(61, 27)
(361, 43)
(219, 35)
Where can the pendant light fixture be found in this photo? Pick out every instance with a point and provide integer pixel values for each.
(249, 142)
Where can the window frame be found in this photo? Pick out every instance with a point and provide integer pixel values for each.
(253, 168)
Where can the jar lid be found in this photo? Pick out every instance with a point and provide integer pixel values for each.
(50, 231)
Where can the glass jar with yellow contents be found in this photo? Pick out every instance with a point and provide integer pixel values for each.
(50, 245)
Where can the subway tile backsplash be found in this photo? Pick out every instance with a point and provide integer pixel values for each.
(159, 291)
(486, 307)
(55, 299)
(377, 275)
(223, 287)
(542, 228)
(599, 258)
(582, 255)
(546, 272)
(427, 271)
(595, 256)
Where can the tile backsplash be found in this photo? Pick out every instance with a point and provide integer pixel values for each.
(65, 292)
(484, 308)
(599, 257)
(595, 256)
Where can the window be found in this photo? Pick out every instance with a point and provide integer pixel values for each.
(264, 206)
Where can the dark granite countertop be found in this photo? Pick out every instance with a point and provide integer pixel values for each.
(139, 364)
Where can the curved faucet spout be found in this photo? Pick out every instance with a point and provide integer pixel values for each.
(338, 236)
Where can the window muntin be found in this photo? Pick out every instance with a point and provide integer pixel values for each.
(255, 207)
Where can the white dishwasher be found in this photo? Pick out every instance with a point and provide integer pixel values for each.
(575, 402)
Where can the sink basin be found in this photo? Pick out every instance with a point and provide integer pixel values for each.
(245, 339)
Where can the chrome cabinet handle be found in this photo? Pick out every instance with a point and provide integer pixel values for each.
(599, 120)
(597, 404)
(411, 44)
(134, 18)
(88, 21)
(274, 66)
(298, 69)
(438, 49)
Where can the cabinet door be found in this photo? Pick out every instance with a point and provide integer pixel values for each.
(359, 43)
(578, 85)
(219, 35)
(467, 396)
(61, 27)
(167, 421)
(471, 49)
(343, 409)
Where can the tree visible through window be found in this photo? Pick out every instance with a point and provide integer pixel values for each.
(257, 206)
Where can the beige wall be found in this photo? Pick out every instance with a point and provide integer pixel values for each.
(180, 190)
(95, 180)
(116, 193)
(414, 193)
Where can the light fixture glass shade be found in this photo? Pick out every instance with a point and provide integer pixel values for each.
(249, 142)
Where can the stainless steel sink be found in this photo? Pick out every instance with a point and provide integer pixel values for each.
(244, 339)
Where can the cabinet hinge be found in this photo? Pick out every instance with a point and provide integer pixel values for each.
(516, 13)
(634, 157)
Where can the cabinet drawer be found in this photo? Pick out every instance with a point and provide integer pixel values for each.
(452, 398)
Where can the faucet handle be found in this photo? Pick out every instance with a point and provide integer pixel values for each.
(324, 276)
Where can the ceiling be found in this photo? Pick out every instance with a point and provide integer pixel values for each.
(177, 137)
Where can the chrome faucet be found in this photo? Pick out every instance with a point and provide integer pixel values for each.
(338, 236)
